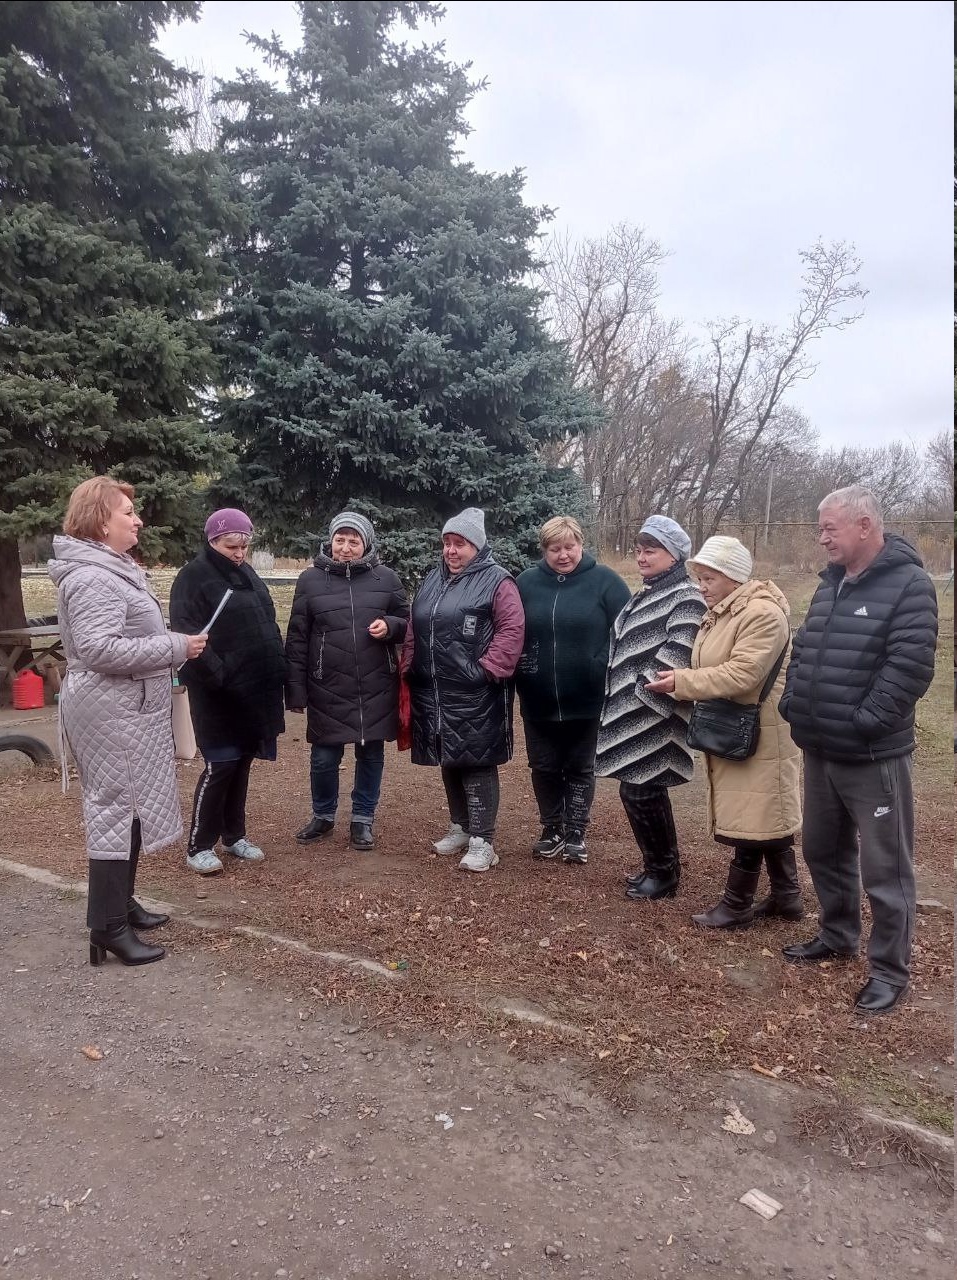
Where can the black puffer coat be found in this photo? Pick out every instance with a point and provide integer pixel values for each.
(461, 716)
(235, 685)
(347, 681)
(863, 657)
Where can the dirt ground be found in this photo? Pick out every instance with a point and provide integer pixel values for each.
(599, 1044)
(640, 988)
(232, 1130)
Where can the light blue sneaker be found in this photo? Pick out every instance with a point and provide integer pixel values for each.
(245, 849)
(205, 862)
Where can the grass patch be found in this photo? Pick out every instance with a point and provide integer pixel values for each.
(882, 1087)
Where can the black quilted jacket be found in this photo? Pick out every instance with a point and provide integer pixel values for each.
(863, 658)
(346, 680)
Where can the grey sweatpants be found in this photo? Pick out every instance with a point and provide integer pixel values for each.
(859, 828)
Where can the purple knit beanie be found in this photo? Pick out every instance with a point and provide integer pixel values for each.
(228, 520)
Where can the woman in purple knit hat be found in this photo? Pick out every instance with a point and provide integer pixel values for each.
(235, 687)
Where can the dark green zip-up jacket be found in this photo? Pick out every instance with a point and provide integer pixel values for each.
(568, 622)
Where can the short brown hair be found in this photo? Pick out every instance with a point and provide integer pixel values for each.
(560, 527)
(649, 543)
(91, 505)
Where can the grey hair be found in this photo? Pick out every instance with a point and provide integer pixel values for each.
(857, 501)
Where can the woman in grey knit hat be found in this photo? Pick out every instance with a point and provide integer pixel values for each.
(460, 654)
(348, 618)
(643, 735)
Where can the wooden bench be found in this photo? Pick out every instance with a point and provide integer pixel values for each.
(43, 645)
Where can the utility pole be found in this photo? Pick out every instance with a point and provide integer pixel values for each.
(767, 506)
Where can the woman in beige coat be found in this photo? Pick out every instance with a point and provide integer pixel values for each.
(754, 805)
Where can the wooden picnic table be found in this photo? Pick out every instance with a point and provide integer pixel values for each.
(43, 644)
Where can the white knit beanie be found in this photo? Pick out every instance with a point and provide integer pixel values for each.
(727, 555)
(468, 524)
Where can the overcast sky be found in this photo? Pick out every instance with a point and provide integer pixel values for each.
(736, 134)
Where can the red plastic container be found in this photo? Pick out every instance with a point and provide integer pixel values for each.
(27, 691)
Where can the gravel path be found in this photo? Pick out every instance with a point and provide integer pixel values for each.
(224, 1135)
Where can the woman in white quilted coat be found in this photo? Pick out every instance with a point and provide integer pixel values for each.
(115, 708)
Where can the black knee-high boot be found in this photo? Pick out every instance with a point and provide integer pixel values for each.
(649, 812)
(784, 900)
(138, 916)
(106, 915)
(735, 908)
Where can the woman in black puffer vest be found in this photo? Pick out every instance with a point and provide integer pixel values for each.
(348, 617)
(459, 656)
(235, 685)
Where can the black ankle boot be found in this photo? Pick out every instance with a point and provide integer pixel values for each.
(784, 901)
(735, 910)
(658, 882)
(360, 836)
(122, 942)
(139, 918)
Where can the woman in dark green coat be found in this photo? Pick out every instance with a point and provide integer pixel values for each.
(571, 603)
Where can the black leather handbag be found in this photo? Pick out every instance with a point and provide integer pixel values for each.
(730, 729)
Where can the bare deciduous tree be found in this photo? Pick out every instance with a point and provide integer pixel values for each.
(750, 368)
(203, 112)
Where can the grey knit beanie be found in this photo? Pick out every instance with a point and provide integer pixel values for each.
(468, 524)
(670, 534)
(352, 520)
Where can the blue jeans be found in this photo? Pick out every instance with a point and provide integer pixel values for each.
(324, 779)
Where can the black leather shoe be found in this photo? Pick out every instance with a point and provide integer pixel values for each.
(878, 996)
(139, 918)
(315, 829)
(812, 952)
(360, 836)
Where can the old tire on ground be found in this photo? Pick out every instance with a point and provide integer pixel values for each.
(38, 751)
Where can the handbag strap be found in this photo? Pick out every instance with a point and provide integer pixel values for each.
(773, 674)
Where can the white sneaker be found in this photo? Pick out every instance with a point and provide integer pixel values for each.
(480, 856)
(453, 840)
(246, 850)
(205, 862)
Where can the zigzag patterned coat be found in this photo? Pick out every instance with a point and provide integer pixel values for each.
(642, 738)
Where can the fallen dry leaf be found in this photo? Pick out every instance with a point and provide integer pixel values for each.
(604, 1053)
(735, 1122)
(763, 1071)
(582, 955)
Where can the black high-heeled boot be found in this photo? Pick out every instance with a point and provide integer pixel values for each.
(136, 915)
(106, 916)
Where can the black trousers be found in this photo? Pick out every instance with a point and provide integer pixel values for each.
(561, 756)
(473, 796)
(111, 883)
(219, 804)
(750, 854)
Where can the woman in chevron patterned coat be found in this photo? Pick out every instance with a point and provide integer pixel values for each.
(642, 738)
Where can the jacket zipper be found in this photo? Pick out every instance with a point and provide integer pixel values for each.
(558, 701)
(435, 679)
(355, 650)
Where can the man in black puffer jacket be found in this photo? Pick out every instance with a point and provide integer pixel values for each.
(859, 664)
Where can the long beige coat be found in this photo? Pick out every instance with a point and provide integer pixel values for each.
(738, 644)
